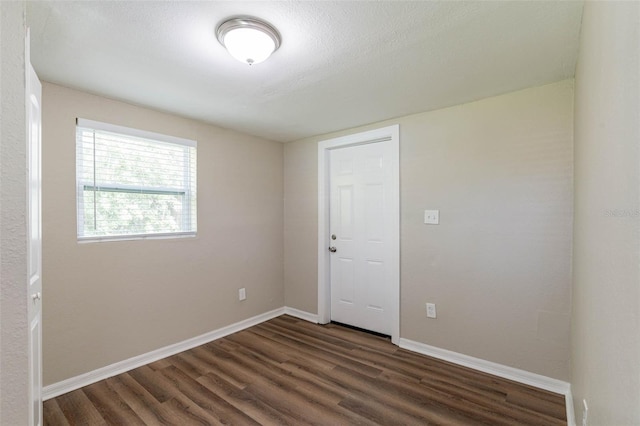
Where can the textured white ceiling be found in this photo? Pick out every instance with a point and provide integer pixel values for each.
(341, 64)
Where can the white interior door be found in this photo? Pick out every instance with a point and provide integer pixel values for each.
(34, 126)
(360, 241)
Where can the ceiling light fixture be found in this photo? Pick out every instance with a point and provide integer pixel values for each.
(247, 39)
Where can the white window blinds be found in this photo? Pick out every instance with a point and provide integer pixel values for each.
(133, 184)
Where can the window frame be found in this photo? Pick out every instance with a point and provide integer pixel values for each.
(189, 214)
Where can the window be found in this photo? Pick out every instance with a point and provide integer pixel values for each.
(133, 184)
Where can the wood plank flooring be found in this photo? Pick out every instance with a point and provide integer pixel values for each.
(290, 372)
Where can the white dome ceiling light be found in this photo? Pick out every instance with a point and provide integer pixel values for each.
(247, 39)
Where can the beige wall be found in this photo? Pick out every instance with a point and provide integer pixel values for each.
(106, 302)
(606, 285)
(498, 265)
(14, 374)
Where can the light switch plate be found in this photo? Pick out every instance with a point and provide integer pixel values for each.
(431, 310)
(432, 217)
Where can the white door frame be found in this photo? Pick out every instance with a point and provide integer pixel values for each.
(388, 135)
(33, 97)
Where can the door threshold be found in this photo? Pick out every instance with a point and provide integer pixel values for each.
(364, 330)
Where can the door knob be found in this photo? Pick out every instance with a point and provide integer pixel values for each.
(333, 249)
(36, 296)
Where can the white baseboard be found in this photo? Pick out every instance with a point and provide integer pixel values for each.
(571, 415)
(120, 367)
(515, 374)
(301, 314)
(506, 372)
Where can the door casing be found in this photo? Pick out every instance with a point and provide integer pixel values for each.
(388, 135)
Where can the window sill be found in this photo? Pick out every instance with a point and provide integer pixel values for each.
(104, 239)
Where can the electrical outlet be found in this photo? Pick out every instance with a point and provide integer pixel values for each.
(431, 310)
(585, 411)
(242, 294)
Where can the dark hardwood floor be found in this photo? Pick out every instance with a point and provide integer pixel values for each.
(290, 372)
